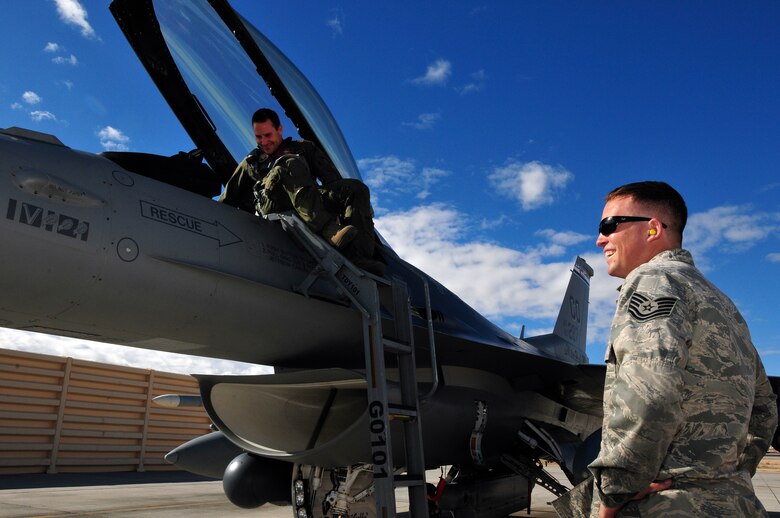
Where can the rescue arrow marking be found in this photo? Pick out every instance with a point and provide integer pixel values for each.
(212, 230)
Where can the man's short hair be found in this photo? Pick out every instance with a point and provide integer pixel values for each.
(659, 194)
(266, 114)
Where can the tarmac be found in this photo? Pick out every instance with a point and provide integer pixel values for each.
(174, 494)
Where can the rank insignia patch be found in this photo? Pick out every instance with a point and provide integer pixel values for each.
(643, 308)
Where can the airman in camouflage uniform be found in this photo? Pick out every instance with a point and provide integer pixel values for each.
(687, 403)
(281, 175)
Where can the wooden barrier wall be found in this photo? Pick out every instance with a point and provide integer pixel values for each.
(64, 415)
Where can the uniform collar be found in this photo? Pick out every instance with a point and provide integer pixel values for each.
(675, 254)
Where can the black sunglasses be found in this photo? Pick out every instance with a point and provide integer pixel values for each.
(610, 223)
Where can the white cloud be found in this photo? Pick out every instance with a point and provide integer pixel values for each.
(502, 283)
(424, 121)
(436, 74)
(566, 238)
(430, 176)
(71, 60)
(16, 106)
(386, 172)
(533, 184)
(121, 355)
(73, 13)
(113, 139)
(490, 223)
(728, 228)
(52, 47)
(775, 258)
(393, 176)
(336, 22)
(31, 97)
(478, 81)
(39, 115)
(559, 242)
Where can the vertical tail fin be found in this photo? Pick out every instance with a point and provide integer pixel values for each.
(568, 338)
(572, 323)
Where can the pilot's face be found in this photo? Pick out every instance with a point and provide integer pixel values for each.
(626, 247)
(267, 136)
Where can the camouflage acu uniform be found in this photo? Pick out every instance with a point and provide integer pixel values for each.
(289, 182)
(685, 397)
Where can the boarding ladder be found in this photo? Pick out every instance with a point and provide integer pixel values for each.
(368, 294)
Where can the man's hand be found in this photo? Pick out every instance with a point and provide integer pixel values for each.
(654, 487)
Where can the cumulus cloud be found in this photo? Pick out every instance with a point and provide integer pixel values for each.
(774, 258)
(41, 115)
(512, 285)
(113, 139)
(728, 228)
(386, 172)
(16, 106)
(62, 60)
(424, 121)
(393, 176)
(436, 74)
(73, 13)
(31, 97)
(533, 184)
(52, 47)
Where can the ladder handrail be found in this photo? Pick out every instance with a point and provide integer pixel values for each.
(431, 343)
(363, 290)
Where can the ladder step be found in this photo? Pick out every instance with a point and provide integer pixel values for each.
(409, 480)
(401, 412)
(397, 347)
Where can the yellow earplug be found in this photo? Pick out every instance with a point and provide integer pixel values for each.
(652, 232)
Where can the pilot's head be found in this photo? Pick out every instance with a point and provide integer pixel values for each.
(639, 221)
(268, 130)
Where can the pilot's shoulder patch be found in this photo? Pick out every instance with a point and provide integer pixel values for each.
(643, 308)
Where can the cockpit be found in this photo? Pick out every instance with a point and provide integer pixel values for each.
(214, 70)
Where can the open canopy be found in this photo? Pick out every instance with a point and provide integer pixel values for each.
(215, 69)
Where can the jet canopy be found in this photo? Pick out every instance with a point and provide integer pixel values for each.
(215, 69)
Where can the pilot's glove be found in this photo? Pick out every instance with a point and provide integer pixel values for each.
(261, 198)
(270, 180)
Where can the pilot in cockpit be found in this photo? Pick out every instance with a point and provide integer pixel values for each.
(281, 175)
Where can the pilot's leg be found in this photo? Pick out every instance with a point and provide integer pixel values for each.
(352, 200)
(307, 201)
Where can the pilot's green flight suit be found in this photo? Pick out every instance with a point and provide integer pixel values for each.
(288, 181)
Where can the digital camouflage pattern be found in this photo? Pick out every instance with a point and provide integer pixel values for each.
(685, 397)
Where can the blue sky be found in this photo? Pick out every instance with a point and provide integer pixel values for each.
(488, 132)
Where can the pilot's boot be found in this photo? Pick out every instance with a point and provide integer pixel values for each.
(339, 235)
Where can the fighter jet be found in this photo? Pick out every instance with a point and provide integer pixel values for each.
(377, 378)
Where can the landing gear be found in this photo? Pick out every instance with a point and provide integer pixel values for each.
(344, 492)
